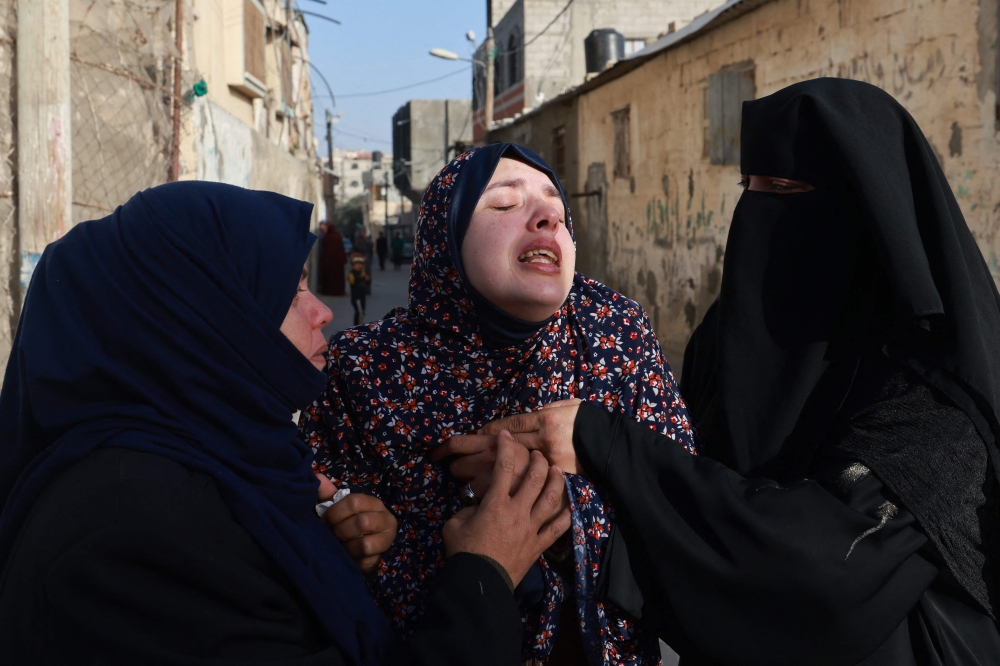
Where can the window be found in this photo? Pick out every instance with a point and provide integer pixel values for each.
(634, 46)
(559, 150)
(253, 41)
(354, 183)
(623, 163)
(706, 138)
(727, 90)
(354, 165)
(514, 73)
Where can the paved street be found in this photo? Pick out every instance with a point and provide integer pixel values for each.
(388, 291)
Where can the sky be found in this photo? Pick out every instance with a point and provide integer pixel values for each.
(383, 44)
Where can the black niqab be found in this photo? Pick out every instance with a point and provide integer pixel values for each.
(879, 254)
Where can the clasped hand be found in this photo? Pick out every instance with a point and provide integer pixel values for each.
(548, 430)
(361, 522)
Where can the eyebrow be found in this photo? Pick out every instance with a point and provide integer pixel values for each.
(514, 182)
(550, 189)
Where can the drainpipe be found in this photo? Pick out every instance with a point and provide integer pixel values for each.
(175, 139)
(490, 57)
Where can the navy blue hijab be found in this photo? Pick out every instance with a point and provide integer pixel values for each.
(156, 329)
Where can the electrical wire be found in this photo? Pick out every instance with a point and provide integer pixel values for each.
(406, 87)
(539, 34)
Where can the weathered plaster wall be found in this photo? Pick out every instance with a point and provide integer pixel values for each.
(666, 226)
(220, 147)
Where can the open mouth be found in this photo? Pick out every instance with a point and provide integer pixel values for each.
(539, 256)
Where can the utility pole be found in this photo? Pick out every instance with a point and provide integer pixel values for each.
(490, 57)
(44, 134)
(445, 132)
(386, 223)
(331, 215)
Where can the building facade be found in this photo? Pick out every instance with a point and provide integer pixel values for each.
(426, 135)
(232, 104)
(539, 45)
(250, 122)
(350, 167)
(649, 150)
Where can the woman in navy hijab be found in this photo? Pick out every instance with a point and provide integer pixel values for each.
(157, 506)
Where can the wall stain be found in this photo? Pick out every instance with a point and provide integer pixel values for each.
(955, 144)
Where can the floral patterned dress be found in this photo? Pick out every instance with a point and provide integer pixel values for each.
(400, 386)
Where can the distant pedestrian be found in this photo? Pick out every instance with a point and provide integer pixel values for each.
(360, 287)
(332, 260)
(363, 246)
(381, 249)
(397, 250)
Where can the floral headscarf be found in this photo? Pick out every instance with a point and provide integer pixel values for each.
(400, 386)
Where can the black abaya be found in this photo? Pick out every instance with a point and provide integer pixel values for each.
(743, 571)
(845, 388)
(130, 558)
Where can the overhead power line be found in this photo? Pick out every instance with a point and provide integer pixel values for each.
(406, 87)
(539, 33)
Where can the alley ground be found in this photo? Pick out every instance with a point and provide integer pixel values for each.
(389, 291)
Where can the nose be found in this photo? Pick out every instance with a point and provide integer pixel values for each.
(546, 218)
(322, 315)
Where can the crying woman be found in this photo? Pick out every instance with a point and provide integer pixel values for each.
(497, 323)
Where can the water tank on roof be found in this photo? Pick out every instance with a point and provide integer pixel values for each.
(602, 48)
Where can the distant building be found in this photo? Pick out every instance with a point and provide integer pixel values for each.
(383, 201)
(539, 45)
(350, 166)
(426, 135)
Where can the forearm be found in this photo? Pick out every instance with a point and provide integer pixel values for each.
(470, 618)
(760, 563)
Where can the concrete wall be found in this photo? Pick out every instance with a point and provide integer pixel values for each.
(424, 153)
(220, 147)
(660, 236)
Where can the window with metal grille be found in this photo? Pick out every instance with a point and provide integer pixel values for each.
(727, 90)
(623, 162)
(253, 41)
(559, 150)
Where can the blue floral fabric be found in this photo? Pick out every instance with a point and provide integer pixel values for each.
(400, 386)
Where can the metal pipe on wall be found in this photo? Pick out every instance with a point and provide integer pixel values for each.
(175, 139)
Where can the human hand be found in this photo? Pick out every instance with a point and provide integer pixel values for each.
(549, 430)
(513, 529)
(477, 457)
(361, 522)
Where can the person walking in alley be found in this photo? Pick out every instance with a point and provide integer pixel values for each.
(332, 261)
(397, 250)
(361, 284)
(381, 249)
(844, 508)
(363, 246)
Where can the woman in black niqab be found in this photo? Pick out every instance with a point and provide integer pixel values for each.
(845, 387)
